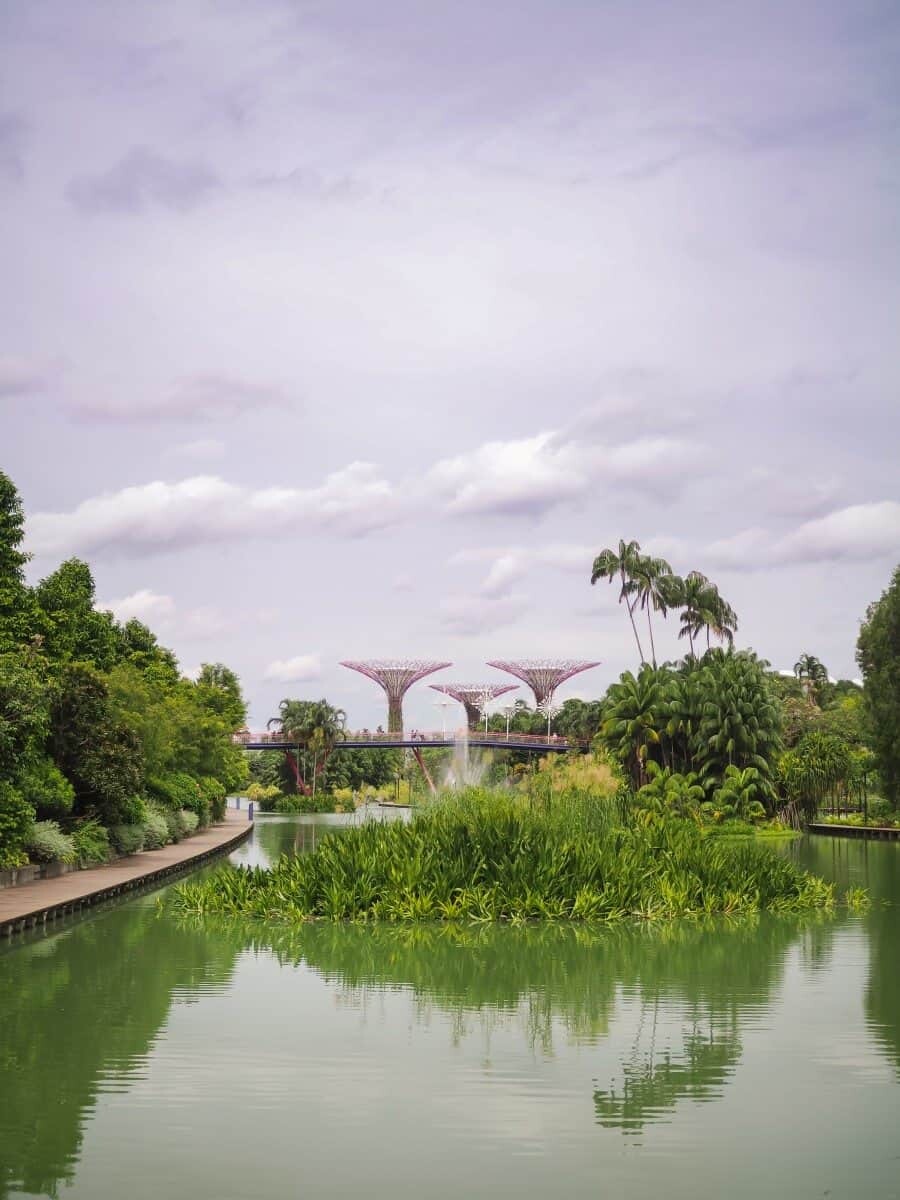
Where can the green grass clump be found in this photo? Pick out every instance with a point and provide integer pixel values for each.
(490, 857)
(91, 842)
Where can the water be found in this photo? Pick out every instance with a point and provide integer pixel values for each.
(145, 1057)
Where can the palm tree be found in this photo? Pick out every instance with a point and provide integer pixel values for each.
(650, 577)
(704, 608)
(314, 725)
(811, 674)
(632, 723)
(622, 564)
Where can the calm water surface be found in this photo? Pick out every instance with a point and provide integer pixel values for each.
(141, 1056)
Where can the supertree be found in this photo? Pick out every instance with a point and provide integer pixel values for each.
(474, 697)
(396, 676)
(543, 676)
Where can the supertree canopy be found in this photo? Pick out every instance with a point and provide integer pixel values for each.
(543, 676)
(396, 676)
(474, 697)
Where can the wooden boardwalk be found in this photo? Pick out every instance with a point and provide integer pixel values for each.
(46, 899)
(885, 833)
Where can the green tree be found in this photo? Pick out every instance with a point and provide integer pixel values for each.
(703, 608)
(878, 655)
(632, 720)
(220, 691)
(15, 598)
(316, 726)
(740, 723)
(653, 588)
(812, 675)
(622, 564)
(101, 756)
(71, 628)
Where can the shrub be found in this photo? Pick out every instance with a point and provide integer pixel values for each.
(48, 843)
(91, 842)
(127, 839)
(214, 794)
(304, 804)
(264, 797)
(156, 830)
(45, 788)
(180, 791)
(189, 821)
(483, 857)
(16, 817)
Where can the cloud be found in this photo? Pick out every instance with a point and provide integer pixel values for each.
(13, 134)
(299, 669)
(162, 614)
(144, 179)
(530, 476)
(147, 606)
(23, 376)
(858, 533)
(158, 516)
(200, 397)
(403, 582)
(469, 615)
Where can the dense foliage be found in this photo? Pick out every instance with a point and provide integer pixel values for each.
(878, 654)
(488, 856)
(98, 730)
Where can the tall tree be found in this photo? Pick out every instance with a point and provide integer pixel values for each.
(812, 675)
(878, 655)
(220, 690)
(651, 577)
(15, 598)
(622, 564)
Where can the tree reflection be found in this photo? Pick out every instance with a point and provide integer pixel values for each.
(80, 1010)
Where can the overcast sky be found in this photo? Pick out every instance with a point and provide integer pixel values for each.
(342, 330)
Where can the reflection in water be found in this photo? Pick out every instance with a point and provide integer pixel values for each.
(80, 1010)
(544, 1040)
(691, 984)
(875, 866)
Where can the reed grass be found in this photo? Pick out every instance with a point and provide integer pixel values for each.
(484, 856)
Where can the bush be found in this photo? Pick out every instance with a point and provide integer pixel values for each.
(48, 843)
(156, 830)
(263, 796)
(127, 839)
(91, 842)
(214, 794)
(16, 818)
(189, 821)
(304, 804)
(45, 788)
(180, 791)
(489, 857)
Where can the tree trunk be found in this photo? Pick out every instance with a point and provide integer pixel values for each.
(652, 645)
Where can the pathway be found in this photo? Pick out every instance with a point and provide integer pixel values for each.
(46, 899)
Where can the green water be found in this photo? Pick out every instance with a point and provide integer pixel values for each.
(143, 1057)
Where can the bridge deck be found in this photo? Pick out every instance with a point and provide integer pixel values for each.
(356, 740)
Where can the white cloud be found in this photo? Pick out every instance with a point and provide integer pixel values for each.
(858, 533)
(162, 614)
(532, 475)
(200, 397)
(147, 606)
(299, 669)
(162, 516)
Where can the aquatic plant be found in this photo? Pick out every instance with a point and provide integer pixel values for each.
(481, 856)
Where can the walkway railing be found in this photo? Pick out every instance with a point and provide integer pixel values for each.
(368, 737)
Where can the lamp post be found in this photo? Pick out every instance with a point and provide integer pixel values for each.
(508, 709)
(443, 705)
(549, 709)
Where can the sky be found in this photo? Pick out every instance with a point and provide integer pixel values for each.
(334, 330)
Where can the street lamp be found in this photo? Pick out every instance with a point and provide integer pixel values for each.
(508, 709)
(443, 706)
(549, 709)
